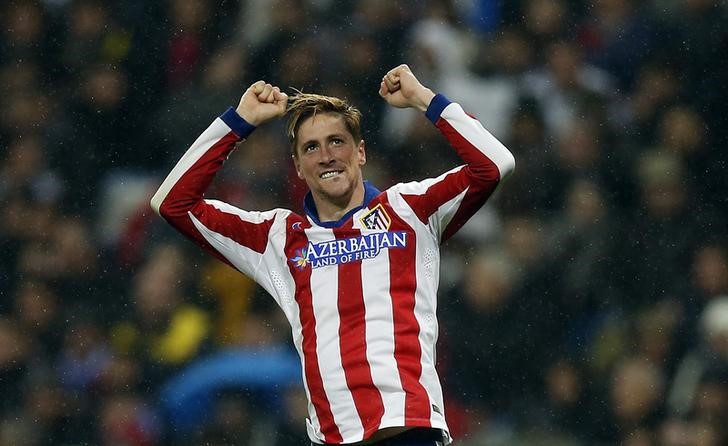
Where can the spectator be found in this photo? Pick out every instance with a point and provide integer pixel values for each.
(165, 330)
(612, 265)
(636, 393)
(567, 87)
(616, 36)
(663, 215)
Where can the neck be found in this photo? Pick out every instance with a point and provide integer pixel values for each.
(333, 209)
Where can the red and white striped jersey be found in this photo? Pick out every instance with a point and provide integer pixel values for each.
(360, 293)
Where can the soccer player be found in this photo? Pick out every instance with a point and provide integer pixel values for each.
(357, 274)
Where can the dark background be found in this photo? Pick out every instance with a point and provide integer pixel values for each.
(587, 303)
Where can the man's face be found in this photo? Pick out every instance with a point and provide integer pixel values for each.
(329, 159)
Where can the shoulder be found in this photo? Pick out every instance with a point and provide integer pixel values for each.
(251, 215)
(418, 187)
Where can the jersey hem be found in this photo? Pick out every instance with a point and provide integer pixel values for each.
(418, 422)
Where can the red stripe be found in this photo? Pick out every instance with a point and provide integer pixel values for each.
(407, 349)
(441, 192)
(353, 344)
(296, 241)
(482, 178)
(193, 183)
(232, 226)
(482, 168)
(472, 201)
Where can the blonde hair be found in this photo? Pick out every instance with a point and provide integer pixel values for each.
(305, 105)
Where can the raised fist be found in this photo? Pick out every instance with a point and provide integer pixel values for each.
(400, 88)
(262, 102)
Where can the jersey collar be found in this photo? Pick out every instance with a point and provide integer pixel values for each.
(370, 192)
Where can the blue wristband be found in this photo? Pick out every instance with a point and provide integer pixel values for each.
(437, 105)
(240, 126)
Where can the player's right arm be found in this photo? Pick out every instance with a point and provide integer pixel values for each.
(233, 235)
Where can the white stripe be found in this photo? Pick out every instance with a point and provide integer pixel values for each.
(292, 311)
(380, 336)
(281, 279)
(427, 262)
(274, 273)
(420, 187)
(473, 131)
(202, 144)
(444, 214)
(249, 216)
(243, 258)
(324, 297)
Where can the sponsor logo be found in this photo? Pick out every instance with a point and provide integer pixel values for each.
(336, 252)
(300, 260)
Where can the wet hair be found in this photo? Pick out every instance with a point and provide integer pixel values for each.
(305, 105)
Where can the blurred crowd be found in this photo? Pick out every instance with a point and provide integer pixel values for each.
(586, 304)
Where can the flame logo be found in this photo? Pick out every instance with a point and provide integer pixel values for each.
(300, 261)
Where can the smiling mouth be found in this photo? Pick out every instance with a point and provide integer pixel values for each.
(330, 174)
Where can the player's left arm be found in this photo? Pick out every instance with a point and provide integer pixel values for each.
(448, 201)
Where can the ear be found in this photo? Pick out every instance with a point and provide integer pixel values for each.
(297, 165)
(361, 153)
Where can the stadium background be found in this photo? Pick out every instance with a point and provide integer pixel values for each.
(587, 304)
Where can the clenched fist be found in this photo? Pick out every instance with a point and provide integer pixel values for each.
(400, 88)
(262, 102)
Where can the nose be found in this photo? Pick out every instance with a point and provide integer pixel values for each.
(325, 156)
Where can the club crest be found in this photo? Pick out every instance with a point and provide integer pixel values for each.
(376, 219)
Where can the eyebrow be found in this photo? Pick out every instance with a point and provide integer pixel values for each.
(329, 137)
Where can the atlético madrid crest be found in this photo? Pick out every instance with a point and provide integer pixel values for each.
(376, 219)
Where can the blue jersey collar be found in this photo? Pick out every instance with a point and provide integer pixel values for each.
(370, 192)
